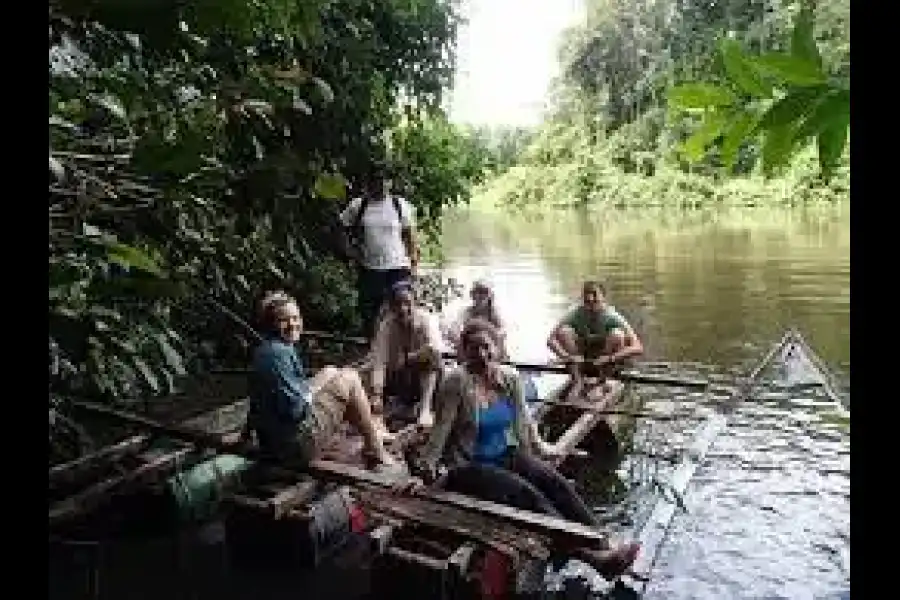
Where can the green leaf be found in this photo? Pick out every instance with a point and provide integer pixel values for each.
(834, 107)
(110, 105)
(831, 142)
(741, 72)
(789, 70)
(689, 96)
(735, 134)
(324, 89)
(331, 186)
(777, 149)
(57, 170)
(792, 108)
(803, 42)
(129, 256)
(149, 378)
(173, 358)
(694, 148)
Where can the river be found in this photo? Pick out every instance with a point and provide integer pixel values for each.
(768, 513)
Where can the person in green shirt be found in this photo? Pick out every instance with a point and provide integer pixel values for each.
(593, 337)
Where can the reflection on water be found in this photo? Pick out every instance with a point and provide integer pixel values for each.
(768, 512)
(700, 286)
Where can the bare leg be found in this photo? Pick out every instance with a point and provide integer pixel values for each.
(428, 383)
(377, 408)
(349, 390)
(568, 339)
(615, 341)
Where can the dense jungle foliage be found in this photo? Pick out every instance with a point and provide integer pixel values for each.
(686, 103)
(200, 152)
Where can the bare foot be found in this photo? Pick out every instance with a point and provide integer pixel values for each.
(381, 459)
(426, 419)
(385, 434)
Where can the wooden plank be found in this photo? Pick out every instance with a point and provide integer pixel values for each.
(470, 526)
(559, 530)
(580, 429)
(292, 497)
(97, 494)
(72, 470)
(654, 531)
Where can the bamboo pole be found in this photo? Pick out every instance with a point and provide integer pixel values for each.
(657, 526)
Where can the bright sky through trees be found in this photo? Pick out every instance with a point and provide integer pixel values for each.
(507, 58)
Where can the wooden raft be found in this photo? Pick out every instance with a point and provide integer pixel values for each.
(86, 484)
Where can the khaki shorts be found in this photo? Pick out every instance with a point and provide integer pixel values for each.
(326, 411)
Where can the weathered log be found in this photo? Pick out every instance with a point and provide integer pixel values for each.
(98, 493)
(70, 471)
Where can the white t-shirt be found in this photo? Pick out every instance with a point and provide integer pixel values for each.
(382, 242)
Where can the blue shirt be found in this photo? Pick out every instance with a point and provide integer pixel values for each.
(491, 441)
(279, 391)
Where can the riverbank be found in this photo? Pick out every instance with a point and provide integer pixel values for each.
(592, 184)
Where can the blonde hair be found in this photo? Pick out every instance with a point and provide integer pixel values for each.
(269, 305)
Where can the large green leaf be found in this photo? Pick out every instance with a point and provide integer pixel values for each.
(741, 71)
(789, 70)
(736, 133)
(331, 186)
(793, 107)
(694, 148)
(688, 96)
(803, 42)
(835, 106)
(777, 148)
(831, 142)
(129, 256)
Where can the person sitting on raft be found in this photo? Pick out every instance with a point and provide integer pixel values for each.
(491, 445)
(294, 417)
(405, 358)
(482, 307)
(593, 337)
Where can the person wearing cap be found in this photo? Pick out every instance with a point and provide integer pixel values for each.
(593, 337)
(381, 229)
(405, 358)
(483, 307)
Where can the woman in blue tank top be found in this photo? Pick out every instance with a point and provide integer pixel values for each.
(486, 436)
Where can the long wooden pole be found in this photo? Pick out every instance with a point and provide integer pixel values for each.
(626, 375)
(657, 525)
(560, 531)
